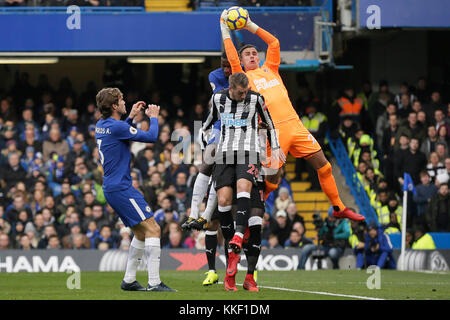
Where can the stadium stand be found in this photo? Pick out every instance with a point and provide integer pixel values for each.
(167, 5)
(51, 179)
(50, 170)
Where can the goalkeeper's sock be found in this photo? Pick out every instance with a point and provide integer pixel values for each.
(328, 185)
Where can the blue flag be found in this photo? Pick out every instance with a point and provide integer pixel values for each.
(408, 184)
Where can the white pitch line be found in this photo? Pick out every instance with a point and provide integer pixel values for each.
(316, 292)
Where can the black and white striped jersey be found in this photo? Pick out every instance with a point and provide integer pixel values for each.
(239, 123)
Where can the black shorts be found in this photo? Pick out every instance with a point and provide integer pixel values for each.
(226, 175)
(257, 196)
(234, 167)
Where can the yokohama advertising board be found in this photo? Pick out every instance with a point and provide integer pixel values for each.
(115, 260)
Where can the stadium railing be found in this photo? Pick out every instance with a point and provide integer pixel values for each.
(265, 9)
(319, 5)
(14, 10)
(352, 180)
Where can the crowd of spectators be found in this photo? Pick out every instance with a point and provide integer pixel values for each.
(389, 134)
(386, 135)
(51, 177)
(51, 195)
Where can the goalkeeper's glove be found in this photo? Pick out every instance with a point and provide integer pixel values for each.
(251, 26)
(223, 25)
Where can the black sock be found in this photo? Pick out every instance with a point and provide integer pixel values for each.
(226, 225)
(242, 213)
(225, 249)
(253, 248)
(211, 247)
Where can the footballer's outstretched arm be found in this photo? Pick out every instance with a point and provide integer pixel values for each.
(232, 54)
(273, 59)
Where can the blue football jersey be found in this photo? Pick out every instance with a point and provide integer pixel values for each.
(217, 80)
(113, 142)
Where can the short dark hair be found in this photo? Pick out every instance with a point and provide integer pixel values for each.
(241, 49)
(424, 173)
(105, 226)
(53, 236)
(238, 79)
(106, 98)
(394, 114)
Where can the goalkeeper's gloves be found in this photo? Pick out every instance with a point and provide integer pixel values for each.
(251, 26)
(223, 25)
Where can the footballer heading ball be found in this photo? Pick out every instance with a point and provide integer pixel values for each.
(237, 18)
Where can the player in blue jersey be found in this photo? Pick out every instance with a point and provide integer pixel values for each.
(113, 138)
(218, 79)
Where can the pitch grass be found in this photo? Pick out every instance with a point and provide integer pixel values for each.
(106, 286)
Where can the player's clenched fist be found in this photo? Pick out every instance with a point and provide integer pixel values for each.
(152, 111)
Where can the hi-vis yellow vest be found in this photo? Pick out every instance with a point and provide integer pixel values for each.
(384, 215)
(313, 124)
(425, 242)
(353, 239)
(391, 230)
